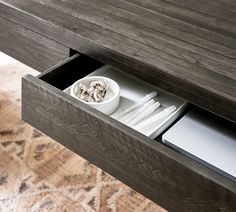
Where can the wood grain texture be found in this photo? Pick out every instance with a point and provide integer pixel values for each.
(161, 174)
(38, 174)
(188, 48)
(29, 47)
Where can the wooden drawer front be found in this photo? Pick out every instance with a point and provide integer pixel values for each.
(29, 47)
(161, 174)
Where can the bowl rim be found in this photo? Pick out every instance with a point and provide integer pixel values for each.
(117, 89)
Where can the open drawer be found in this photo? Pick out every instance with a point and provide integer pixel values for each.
(167, 177)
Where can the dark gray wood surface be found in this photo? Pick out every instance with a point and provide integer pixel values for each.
(161, 174)
(29, 47)
(186, 47)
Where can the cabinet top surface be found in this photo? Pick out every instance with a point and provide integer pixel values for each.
(192, 41)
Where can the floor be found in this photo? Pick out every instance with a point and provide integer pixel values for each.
(38, 174)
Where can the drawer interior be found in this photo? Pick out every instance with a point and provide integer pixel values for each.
(132, 90)
(151, 168)
(78, 66)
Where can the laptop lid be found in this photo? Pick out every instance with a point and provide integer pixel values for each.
(206, 138)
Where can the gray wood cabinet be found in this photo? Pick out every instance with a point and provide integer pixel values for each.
(185, 48)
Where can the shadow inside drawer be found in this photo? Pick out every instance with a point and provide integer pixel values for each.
(66, 73)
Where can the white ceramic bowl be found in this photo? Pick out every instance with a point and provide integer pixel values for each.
(108, 106)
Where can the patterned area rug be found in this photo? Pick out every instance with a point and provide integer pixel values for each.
(38, 174)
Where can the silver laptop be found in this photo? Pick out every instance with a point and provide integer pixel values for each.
(208, 139)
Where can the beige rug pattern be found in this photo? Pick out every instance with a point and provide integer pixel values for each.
(38, 174)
